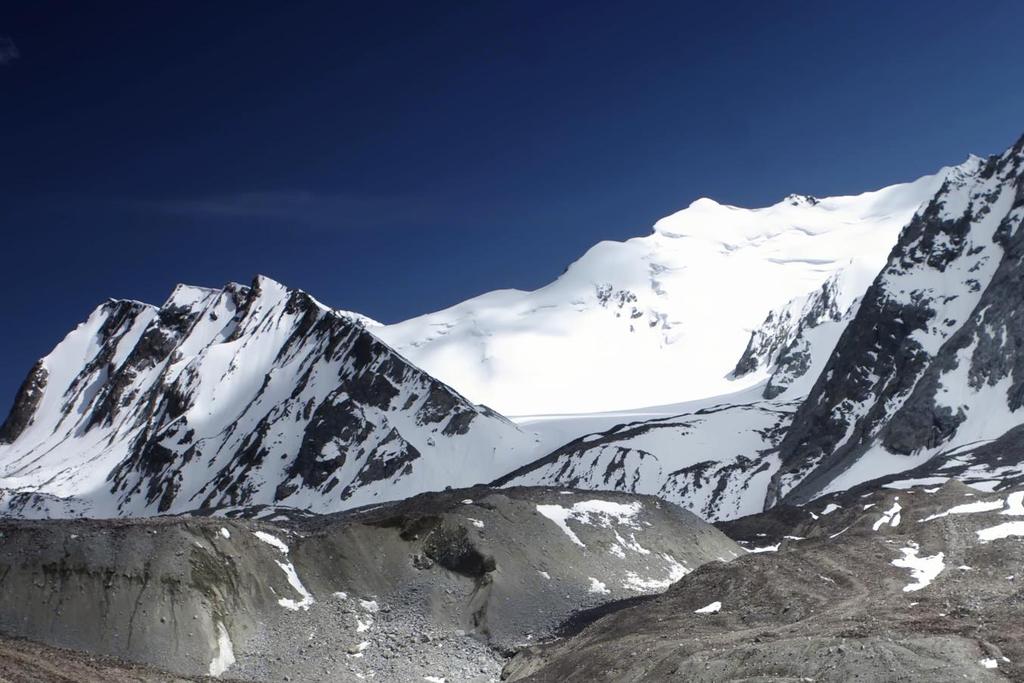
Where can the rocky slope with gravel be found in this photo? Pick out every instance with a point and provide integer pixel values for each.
(441, 585)
(919, 584)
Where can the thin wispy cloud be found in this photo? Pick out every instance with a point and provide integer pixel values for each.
(8, 50)
(300, 208)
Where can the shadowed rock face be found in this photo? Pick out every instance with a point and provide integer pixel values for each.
(297, 594)
(860, 588)
(240, 396)
(928, 359)
(994, 465)
(25, 404)
(779, 344)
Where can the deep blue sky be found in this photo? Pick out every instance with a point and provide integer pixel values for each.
(396, 158)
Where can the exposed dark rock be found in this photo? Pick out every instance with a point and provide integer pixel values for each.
(881, 387)
(25, 404)
(780, 343)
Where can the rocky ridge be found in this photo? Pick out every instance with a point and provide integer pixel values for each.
(926, 366)
(239, 396)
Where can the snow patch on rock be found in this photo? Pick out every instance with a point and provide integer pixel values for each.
(968, 508)
(225, 656)
(593, 512)
(922, 569)
(1004, 530)
(714, 607)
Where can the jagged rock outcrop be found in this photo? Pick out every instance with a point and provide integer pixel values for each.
(239, 396)
(793, 341)
(931, 361)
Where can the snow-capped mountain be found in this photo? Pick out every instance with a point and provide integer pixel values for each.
(238, 396)
(715, 456)
(859, 385)
(779, 371)
(931, 363)
(663, 318)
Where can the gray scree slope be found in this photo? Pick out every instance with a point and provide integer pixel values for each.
(441, 584)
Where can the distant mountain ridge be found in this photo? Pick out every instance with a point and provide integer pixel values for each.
(848, 339)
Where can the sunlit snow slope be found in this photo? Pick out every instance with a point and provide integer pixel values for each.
(919, 379)
(658, 319)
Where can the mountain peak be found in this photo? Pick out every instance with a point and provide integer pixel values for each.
(185, 296)
(704, 204)
(800, 200)
(240, 396)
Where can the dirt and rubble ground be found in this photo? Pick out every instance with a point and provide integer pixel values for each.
(22, 661)
(440, 586)
(829, 604)
(879, 585)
